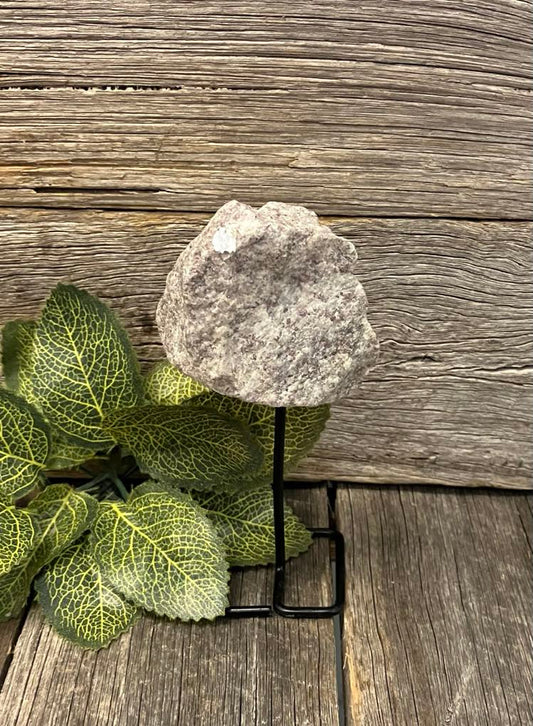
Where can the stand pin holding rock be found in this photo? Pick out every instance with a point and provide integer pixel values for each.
(278, 606)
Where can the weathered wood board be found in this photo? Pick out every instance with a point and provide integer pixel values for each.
(231, 673)
(438, 623)
(381, 108)
(451, 301)
(384, 109)
(395, 153)
(437, 632)
(261, 43)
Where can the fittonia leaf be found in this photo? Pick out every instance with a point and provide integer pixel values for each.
(64, 455)
(163, 554)
(24, 445)
(79, 602)
(18, 342)
(191, 447)
(245, 521)
(17, 356)
(165, 384)
(59, 515)
(17, 534)
(84, 366)
(62, 514)
(302, 430)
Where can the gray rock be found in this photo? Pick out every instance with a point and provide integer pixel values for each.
(264, 305)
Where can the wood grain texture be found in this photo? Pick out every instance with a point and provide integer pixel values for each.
(380, 152)
(382, 108)
(250, 44)
(9, 632)
(438, 622)
(451, 302)
(232, 673)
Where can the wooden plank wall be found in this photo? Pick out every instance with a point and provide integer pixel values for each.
(124, 125)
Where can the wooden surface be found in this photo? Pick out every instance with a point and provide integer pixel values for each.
(437, 632)
(438, 624)
(9, 632)
(262, 43)
(409, 122)
(403, 151)
(451, 301)
(382, 108)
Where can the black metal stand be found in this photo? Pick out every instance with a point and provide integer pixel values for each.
(278, 606)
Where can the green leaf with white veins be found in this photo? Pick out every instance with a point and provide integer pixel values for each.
(245, 521)
(24, 445)
(18, 339)
(163, 554)
(79, 602)
(64, 455)
(302, 430)
(84, 366)
(167, 385)
(17, 356)
(60, 515)
(185, 446)
(16, 536)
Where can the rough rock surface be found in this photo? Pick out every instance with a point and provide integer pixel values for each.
(264, 305)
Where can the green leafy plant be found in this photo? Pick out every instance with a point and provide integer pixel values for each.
(121, 493)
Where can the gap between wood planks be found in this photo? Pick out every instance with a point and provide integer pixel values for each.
(212, 210)
(9, 641)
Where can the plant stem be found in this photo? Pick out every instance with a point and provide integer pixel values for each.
(120, 487)
(115, 458)
(92, 483)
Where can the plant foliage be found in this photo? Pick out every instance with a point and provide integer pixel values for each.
(24, 445)
(303, 425)
(104, 544)
(162, 552)
(16, 536)
(167, 385)
(60, 515)
(80, 602)
(83, 366)
(17, 356)
(192, 447)
(245, 522)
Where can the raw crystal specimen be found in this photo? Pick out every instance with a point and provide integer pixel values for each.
(264, 305)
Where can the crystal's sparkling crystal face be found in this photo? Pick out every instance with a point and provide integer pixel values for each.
(265, 305)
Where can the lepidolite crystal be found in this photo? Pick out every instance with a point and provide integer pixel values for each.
(264, 305)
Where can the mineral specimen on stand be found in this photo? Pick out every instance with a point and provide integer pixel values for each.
(264, 305)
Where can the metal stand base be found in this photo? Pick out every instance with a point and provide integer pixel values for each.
(278, 606)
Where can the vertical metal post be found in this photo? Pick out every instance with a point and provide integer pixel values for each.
(278, 501)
